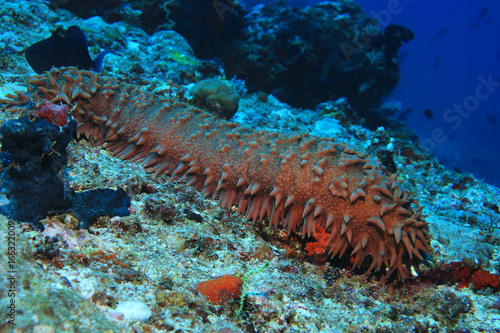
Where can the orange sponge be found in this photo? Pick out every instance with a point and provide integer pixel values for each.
(221, 290)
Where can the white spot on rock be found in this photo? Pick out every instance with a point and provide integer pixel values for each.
(134, 310)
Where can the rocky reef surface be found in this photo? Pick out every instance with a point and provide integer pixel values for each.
(302, 56)
(142, 273)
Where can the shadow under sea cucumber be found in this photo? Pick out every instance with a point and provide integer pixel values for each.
(298, 182)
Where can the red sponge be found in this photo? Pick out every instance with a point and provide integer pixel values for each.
(221, 290)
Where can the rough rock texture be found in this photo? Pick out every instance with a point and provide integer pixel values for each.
(302, 56)
(299, 182)
(33, 152)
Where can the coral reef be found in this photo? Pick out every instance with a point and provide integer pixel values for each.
(302, 56)
(216, 96)
(297, 55)
(70, 279)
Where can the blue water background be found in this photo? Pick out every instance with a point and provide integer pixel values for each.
(445, 72)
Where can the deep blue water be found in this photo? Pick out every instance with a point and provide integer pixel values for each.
(444, 69)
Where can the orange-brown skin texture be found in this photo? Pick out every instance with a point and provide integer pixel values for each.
(298, 182)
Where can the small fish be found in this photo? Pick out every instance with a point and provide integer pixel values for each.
(442, 32)
(436, 63)
(428, 114)
(483, 12)
(474, 26)
(491, 119)
(402, 55)
(439, 34)
(404, 114)
(59, 51)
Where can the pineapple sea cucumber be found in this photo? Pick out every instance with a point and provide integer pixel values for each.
(298, 182)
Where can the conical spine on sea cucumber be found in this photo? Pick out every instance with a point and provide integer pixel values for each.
(298, 182)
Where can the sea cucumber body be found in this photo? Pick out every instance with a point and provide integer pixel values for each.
(297, 182)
